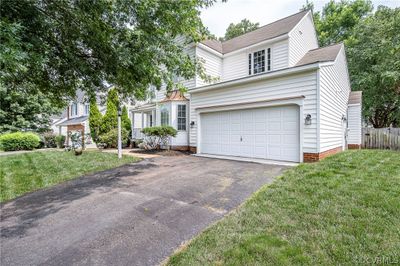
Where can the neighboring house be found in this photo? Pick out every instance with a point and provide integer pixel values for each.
(76, 118)
(279, 96)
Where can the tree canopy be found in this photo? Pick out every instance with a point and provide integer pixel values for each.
(374, 63)
(240, 28)
(372, 48)
(58, 47)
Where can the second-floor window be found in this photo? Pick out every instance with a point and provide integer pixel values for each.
(86, 109)
(259, 61)
(74, 109)
(164, 117)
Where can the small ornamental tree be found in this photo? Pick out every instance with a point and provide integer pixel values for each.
(95, 120)
(110, 119)
(156, 137)
(126, 122)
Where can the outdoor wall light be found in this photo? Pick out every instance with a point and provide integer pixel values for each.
(191, 123)
(307, 120)
(344, 118)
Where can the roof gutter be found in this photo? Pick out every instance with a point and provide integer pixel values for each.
(269, 75)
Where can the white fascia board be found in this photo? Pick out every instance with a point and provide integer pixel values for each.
(272, 74)
(210, 50)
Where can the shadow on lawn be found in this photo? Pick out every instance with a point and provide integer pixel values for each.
(23, 213)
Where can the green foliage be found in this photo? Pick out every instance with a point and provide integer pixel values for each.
(160, 131)
(19, 141)
(337, 20)
(58, 47)
(110, 118)
(126, 122)
(374, 63)
(49, 140)
(22, 109)
(60, 140)
(157, 137)
(240, 28)
(95, 120)
(110, 139)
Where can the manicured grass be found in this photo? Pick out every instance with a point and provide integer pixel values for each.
(22, 173)
(343, 210)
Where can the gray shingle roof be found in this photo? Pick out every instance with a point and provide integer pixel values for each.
(355, 97)
(74, 121)
(263, 33)
(323, 54)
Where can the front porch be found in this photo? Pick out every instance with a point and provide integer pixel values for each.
(142, 116)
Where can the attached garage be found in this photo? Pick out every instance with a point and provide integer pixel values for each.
(266, 133)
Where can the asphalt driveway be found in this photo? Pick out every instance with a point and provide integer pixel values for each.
(137, 214)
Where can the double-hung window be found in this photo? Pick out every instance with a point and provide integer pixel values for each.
(87, 109)
(259, 61)
(181, 117)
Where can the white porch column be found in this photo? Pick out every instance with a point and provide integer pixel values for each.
(132, 123)
(142, 119)
(153, 114)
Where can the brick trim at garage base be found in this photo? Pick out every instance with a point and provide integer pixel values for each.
(179, 148)
(193, 149)
(315, 157)
(354, 146)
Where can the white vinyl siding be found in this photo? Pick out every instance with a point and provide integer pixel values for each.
(291, 86)
(302, 38)
(235, 66)
(212, 64)
(354, 124)
(334, 95)
(280, 55)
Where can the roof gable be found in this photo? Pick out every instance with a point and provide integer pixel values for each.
(269, 31)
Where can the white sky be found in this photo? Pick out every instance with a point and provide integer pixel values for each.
(220, 15)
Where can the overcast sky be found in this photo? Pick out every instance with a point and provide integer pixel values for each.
(220, 15)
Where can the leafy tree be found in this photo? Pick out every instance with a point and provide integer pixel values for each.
(110, 118)
(57, 47)
(240, 28)
(337, 20)
(374, 63)
(126, 122)
(95, 120)
(22, 110)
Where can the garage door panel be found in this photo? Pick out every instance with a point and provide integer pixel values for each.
(269, 133)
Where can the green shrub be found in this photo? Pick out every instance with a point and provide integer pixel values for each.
(156, 137)
(19, 141)
(49, 140)
(60, 140)
(110, 139)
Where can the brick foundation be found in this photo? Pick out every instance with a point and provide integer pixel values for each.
(315, 157)
(180, 148)
(354, 146)
(192, 149)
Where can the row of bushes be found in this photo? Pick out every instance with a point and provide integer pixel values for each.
(28, 141)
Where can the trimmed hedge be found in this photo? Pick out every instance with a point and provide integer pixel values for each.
(110, 139)
(19, 141)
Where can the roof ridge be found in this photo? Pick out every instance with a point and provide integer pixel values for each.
(339, 43)
(304, 11)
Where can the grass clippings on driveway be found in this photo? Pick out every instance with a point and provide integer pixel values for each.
(22, 173)
(342, 210)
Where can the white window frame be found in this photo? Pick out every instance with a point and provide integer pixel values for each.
(181, 126)
(267, 61)
(87, 109)
(164, 114)
(72, 114)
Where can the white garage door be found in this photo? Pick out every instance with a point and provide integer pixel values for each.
(268, 133)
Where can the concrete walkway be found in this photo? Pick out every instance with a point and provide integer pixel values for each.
(137, 214)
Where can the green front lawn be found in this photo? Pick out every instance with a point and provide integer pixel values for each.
(22, 173)
(342, 210)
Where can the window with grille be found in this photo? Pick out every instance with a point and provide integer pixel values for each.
(258, 63)
(164, 117)
(74, 109)
(181, 117)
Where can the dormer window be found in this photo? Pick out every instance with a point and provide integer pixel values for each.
(258, 61)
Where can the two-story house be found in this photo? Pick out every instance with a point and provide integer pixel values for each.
(279, 96)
